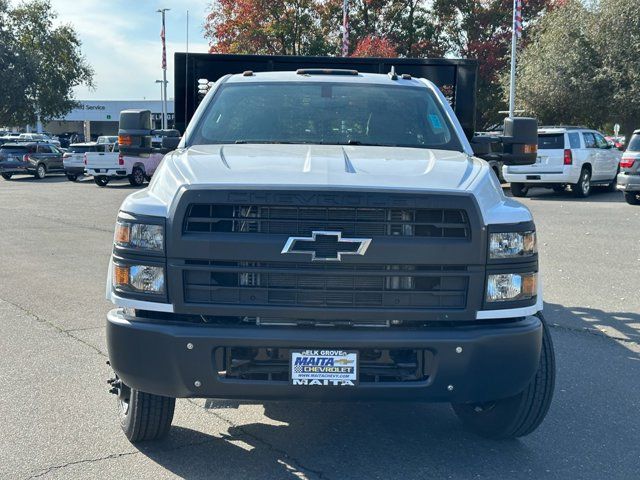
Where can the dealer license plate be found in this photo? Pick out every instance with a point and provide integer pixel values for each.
(324, 367)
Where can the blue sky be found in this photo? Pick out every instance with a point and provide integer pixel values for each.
(121, 40)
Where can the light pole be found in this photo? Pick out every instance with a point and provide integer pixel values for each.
(164, 69)
(161, 82)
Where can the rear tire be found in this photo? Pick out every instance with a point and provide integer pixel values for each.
(632, 198)
(101, 180)
(137, 177)
(519, 189)
(582, 189)
(41, 172)
(144, 416)
(521, 414)
(559, 188)
(72, 178)
(7, 176)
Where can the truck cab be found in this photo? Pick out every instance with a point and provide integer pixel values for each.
(327, 234)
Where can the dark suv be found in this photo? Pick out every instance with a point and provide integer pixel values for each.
(30, 158)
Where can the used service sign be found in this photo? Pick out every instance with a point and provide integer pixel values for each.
(324, 367)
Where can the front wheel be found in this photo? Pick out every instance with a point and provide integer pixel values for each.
(101, 180)
(143, 416)
(137, 177)
(632, 198)
(521, 414)
(519, 189)
(7, 176)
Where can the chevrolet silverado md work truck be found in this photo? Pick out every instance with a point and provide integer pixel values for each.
(325, 233)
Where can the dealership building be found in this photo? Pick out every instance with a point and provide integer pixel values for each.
(100, 117)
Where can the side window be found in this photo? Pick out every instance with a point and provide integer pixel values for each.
(589, 140)
(574, 140)
(44, 149)
(600, 141)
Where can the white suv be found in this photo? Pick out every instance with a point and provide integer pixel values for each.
(574, 156)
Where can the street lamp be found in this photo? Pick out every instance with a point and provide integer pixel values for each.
(162, 90)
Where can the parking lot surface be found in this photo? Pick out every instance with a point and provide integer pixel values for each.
(59, 421)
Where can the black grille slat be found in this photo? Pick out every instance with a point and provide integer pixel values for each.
(417, 222)
(255, 283)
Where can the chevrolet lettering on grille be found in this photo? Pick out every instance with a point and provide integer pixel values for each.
(326, 246)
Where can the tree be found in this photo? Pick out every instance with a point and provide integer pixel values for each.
(481, 29)
(560, 78)
(274, 27)
(40, 64)
(371, 46)
(616, 34)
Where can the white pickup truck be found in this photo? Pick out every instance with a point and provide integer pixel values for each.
(109, 165)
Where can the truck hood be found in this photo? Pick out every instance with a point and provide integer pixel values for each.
(321, 167)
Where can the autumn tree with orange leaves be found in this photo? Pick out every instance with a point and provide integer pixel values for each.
(479, 29)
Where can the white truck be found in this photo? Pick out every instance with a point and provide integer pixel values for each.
(113, 164)
(325, 234)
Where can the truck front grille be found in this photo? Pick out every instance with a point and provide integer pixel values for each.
(294, 220)
(322, 285)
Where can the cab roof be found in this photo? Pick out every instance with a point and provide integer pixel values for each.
(292, 76)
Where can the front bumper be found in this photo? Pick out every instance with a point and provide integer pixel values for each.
(495, 361)
(628, 183)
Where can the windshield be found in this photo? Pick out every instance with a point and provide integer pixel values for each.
(326, 113)
(634, 143)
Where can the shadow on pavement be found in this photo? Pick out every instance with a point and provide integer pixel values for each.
(621, 326)
(50, 178)
(340, 440)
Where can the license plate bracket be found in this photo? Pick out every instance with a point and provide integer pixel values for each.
(324, 367)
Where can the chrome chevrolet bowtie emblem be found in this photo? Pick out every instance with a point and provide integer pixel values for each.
(326, 246)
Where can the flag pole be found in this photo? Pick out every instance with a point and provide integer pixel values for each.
(516, 25)
(345, 28)
(164, 69)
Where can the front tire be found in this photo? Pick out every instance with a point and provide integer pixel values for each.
(137, 177)
(632, 198)
(41, 172)
(7, 176)
(521, 414)
(101, 181)
(582, 189)
(144, 416)
(519, 189)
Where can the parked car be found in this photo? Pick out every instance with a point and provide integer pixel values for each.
(616, 142)
(30, 158)
(73, 159)
(111, 165)
(38, 137)
(629, 177)
(567, 156)
(107, 139)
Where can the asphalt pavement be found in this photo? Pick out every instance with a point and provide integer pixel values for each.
(59, 421)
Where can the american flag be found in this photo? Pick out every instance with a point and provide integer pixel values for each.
(517, 18)
(164, 48)
(345, 28)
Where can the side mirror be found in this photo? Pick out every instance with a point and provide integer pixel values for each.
(134, 132)
(170, 143)
(520, 141)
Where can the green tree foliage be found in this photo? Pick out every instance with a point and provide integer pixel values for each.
(39, 63)
(583, 65)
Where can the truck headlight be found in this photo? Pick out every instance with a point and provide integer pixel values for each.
(139, 235)
(512, 244)
(504, 287)
(139, 278)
